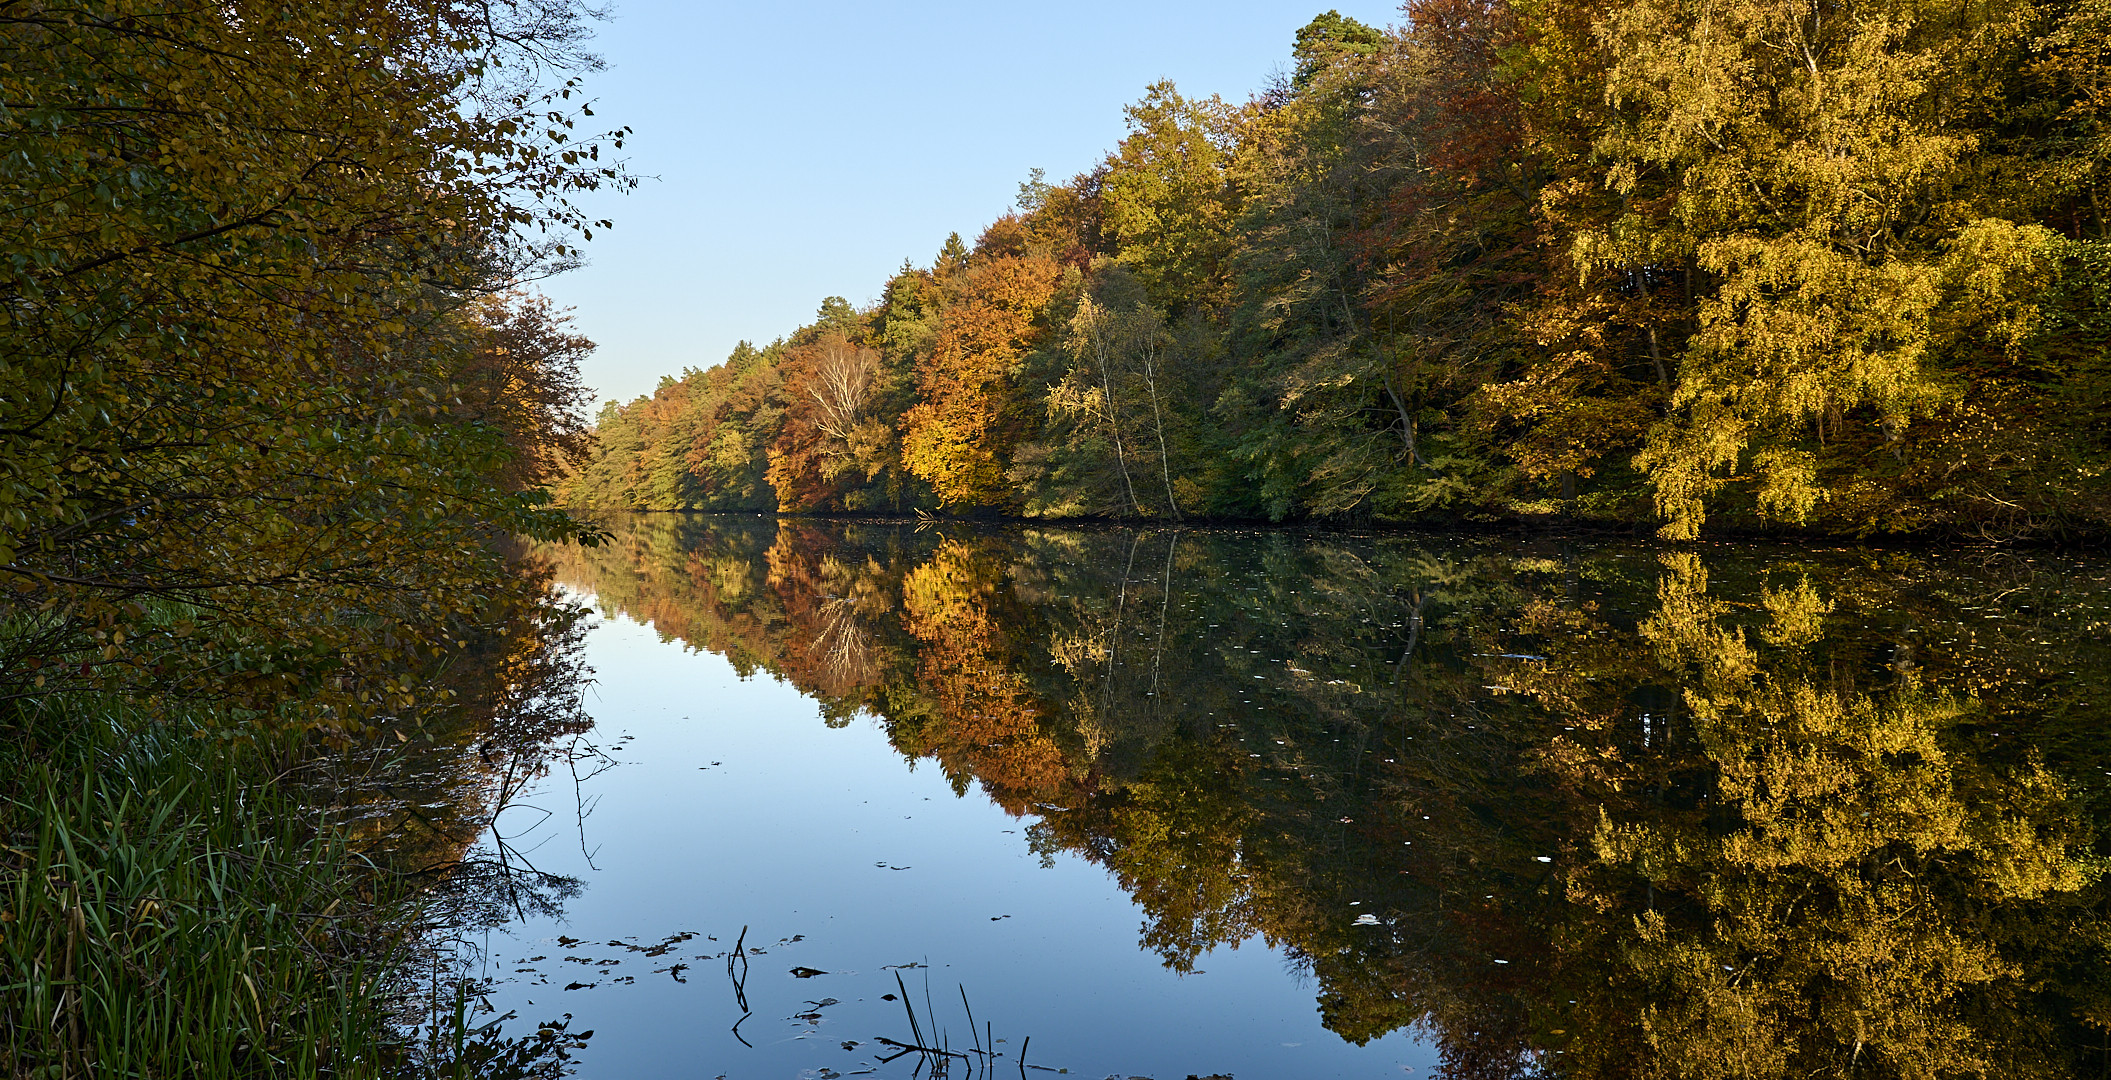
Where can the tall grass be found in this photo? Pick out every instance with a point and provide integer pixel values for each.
(181, 895)
(167, 910)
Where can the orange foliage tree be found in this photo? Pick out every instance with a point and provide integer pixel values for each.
(960, 434)
(831, 438)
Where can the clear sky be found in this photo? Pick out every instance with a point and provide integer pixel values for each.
(803, 150)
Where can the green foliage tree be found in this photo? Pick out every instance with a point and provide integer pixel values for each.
(1165, 201)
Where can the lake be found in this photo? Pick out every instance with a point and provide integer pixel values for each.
(1167, 802)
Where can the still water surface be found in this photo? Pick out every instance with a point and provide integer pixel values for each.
(1278, 804)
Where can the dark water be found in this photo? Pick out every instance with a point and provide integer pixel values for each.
(1276, 804)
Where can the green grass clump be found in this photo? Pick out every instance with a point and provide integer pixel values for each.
(168, 909)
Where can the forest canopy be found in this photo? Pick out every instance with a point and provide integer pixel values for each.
(1766, 264)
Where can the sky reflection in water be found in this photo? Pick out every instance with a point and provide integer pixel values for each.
(1734, 805)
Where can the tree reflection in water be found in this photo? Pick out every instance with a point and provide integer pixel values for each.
(427, 812)
(1574, 809)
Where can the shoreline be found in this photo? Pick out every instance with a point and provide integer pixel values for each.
(1520, 527)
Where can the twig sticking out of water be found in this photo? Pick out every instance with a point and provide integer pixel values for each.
(916, 1031)
(930, 1010)
(740, 984)
(938, 1057)
(910, 1048)
(933, 1046)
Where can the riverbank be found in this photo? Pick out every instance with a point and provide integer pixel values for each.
(1522, 525)
(185, 892)
(275, 393)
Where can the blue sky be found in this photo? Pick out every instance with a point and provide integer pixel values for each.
(804, 150)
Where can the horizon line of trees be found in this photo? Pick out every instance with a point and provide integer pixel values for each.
(1772, 263)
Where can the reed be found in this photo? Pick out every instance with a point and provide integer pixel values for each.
(167, 911)
(170, 908)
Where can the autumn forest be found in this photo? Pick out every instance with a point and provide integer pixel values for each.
(312, 748)
(1646, 264)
